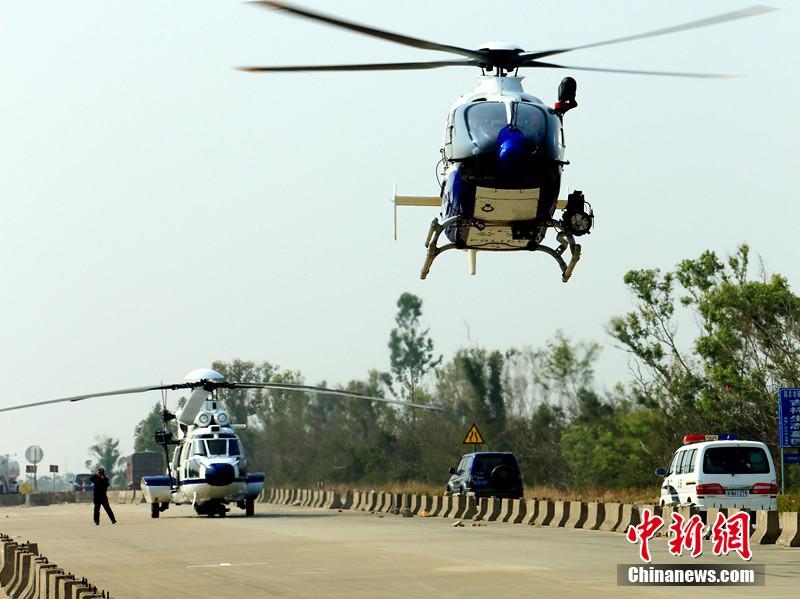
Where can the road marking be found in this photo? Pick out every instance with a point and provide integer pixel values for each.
(228, 564)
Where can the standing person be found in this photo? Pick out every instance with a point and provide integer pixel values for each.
(101, 483)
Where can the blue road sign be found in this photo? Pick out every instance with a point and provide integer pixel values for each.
(791, 458)
(789, 417)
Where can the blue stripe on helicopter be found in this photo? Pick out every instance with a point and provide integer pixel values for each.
(166, 481)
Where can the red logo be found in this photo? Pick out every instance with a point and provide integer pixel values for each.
(728, 535)
(732, 534)
(644, 532)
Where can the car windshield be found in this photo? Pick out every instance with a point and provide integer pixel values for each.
(484, 464)
(735, 460)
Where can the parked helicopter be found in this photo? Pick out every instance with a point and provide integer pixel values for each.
(209, 467)
(503, 153)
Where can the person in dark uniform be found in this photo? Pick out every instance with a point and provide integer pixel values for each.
(101, 483)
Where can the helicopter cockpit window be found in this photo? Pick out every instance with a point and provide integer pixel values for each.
(233, 447)
(531, 121)
(198, 447)
(484, 122)
(217, 446)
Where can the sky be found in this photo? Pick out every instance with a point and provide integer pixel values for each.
(162, 210)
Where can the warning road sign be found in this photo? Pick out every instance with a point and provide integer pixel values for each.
(473, 436)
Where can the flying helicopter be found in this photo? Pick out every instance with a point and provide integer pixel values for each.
(209, 466)
(503, 153)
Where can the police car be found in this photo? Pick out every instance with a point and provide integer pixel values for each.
(720, 471)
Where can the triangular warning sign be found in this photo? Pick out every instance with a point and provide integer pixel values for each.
(473, 436)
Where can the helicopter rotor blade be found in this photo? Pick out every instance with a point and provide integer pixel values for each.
(751, 11)
(548, 65)
(388, 66)
(326, 391)
(91, 395)
(366, 30)
(211, 385)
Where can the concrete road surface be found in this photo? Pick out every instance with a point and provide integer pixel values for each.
(301, 552)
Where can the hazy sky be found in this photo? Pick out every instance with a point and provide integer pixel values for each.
(161, 210)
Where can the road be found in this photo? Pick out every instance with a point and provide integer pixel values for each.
(302, 552)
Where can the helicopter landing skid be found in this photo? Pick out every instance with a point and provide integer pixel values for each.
(565, 240)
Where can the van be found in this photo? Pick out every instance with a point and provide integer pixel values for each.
(720, 471)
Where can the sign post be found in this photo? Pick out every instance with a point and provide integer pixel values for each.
(473, 437)
(788, 424)
(34, 455)
(53, 472)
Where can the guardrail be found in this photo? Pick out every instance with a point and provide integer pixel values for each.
(768, 527)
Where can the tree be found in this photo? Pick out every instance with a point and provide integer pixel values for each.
(748, 344)
(107, 455)
(145, 432)
(411, 349)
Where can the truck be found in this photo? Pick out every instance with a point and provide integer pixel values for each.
(144, 463)
(9, 472)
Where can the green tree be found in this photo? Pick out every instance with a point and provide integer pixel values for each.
(106, 454)
(411, 348)
(145, 432)
(747, 344)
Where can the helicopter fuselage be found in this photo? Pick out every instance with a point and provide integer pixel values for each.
(503, 155)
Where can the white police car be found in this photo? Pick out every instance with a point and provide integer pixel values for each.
(720, 471)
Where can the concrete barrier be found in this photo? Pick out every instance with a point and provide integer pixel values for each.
(790, 530)
(347, 499)
(578, 512)
(472, 507)
(416, 503)
(371, 501)
(397, 503)
(447, 506)
(560, 513)
(505, 510)
(531, 511)
(437, 505)
(629, 517)
(519, 507)
(356, 500)
(426, 505)
(405, 505)
(767, 530)
(545, 512)
(483, 509)
(459, 507)
(612, 518)
(595, 514)
(493, 513)
(334, 501)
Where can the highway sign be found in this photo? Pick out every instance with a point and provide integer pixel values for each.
(473, 436)
(30, 468)
(34, 454)
(791, 458)
(789, 417)
(53, 467)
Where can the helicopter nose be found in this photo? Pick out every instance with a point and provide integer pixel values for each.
(511, 147)
(219, 475)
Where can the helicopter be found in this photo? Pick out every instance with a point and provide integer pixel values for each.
(503, 154)
(209, 466)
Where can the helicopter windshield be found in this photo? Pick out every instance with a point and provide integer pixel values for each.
(233, 447)
(531, 121)
(484, 122)
(199, 447)
(217, 446)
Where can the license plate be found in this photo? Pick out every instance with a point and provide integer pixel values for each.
(736, 492)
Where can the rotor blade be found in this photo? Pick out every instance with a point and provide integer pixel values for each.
(387, 66)
(374, 32)
(325, 391)
(751, 11)
(549, 65)
(91, 395)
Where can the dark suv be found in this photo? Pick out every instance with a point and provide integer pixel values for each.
(487, 474)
